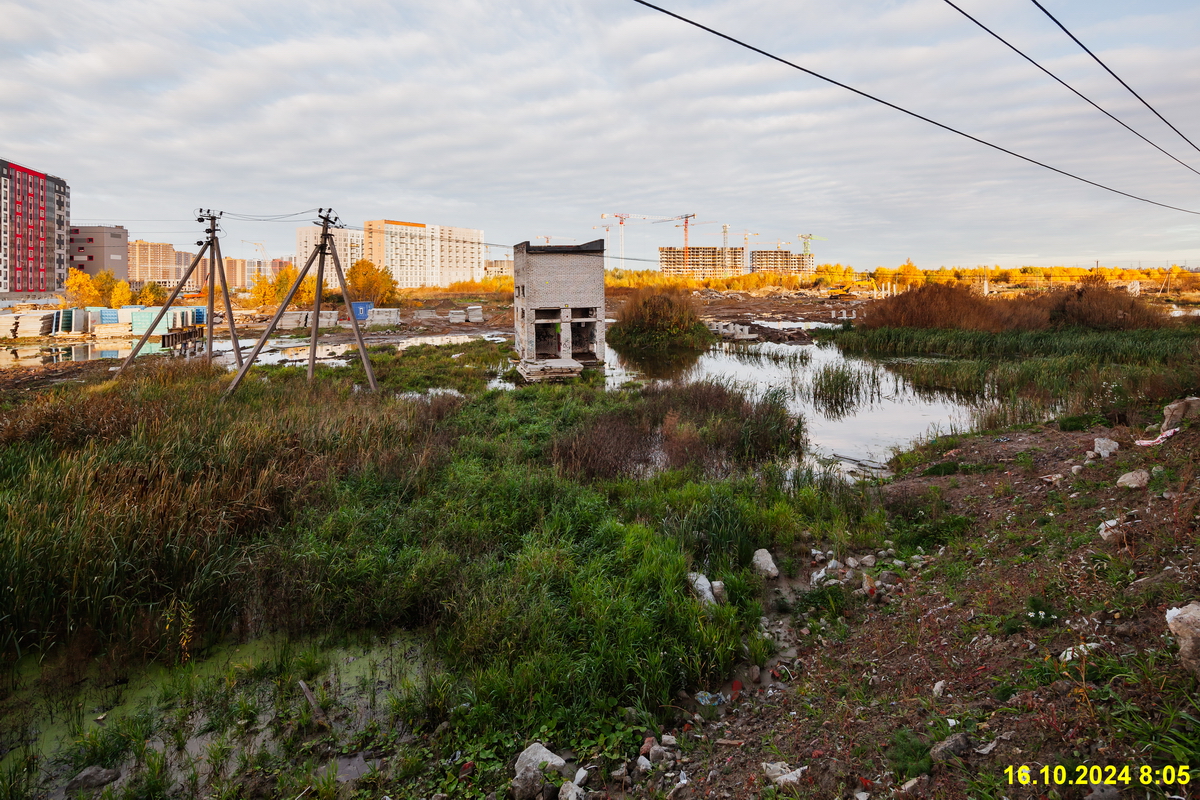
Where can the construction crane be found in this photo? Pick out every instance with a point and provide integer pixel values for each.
(548, 238)
(265, 269)
(779, 243)
(808, 237)
(620, 218)
(687, 219)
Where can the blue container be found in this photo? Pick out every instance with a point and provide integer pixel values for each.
(362, 310)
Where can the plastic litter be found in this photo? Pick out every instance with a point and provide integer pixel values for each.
(710, 698)
(1162, 437)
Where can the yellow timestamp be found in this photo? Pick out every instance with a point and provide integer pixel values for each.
(1083, 775)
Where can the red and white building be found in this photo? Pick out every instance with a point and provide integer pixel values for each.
(34, 213)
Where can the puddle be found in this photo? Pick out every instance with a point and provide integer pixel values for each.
(858, 428)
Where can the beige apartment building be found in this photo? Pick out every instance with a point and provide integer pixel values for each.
(349, 246)
(702, 262)
(153, 261)
(425, 255)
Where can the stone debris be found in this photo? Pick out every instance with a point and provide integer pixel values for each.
(958, 744)
(535, 755)
(93, 778)
(528, 784)
(1105, 447)
(569, 791)
(1138, 479)
(939, 688)
(703, 589)
(718, 590)
(780, 774)
(765, 565)
(1184, 624)
(1175, 413)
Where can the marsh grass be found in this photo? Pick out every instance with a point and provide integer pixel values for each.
(838, 389)
(658, 321)
(506, 526)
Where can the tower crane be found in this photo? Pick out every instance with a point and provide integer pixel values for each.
(620, 218)
(548, 238)
(265, 269)
(808, 237)
(687, 220)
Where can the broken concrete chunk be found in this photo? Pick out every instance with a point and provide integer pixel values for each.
(718, 590)
(1175, 413)
(569, 791)
(535, 755)
(1185, 626)
(1105, 447)
(702, 588)
(1134, 480)
(957, 745)
(528, 784)
(765, 565)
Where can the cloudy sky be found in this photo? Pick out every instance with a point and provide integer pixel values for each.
(532, 118)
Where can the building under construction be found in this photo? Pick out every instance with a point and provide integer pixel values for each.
(702, 262)
(783, 261)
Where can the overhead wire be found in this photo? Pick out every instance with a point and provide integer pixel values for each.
(1115, 75)
(1071, 88)
(913, 114)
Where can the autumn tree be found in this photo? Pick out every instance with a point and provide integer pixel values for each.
(369, 282)
(152, 294)
(262, 292)
(105, 282)
(81, 290)
(121, 295)
(909, 274)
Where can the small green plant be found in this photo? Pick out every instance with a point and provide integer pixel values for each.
(909, 755)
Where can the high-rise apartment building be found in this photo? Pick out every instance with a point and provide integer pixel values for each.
(154, 261)
(425, 255)
(34, 209)
(349, 246)
(702, 262)
(96, 248)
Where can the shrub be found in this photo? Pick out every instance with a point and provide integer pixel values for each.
(658, 321)
(1093, 304)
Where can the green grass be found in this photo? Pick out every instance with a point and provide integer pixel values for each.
(514, 528)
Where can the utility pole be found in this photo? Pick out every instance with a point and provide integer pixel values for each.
(327, 248)
(211, 245)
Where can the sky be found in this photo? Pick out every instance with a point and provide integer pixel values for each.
(533, 118)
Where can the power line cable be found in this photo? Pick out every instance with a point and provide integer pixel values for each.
(1110, 72)
(914, 114)
(1075, 91)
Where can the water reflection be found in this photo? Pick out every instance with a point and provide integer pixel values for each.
(856, 410)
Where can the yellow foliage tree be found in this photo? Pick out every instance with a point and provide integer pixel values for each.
(152, 294)
(81, 290)
(105, 282)
(262, 293)
(121, 295)
(369, 282)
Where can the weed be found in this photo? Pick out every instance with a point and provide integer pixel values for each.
(909, 755)
(652, 320)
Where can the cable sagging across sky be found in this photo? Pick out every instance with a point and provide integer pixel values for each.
(903, 110)
(1075, 91)
(1110, 72)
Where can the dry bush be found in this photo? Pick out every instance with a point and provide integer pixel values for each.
(1093, 304)
(608, 446)
(68, 420)
(656, 320)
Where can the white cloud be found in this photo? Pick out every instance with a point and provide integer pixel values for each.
(533, 119)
